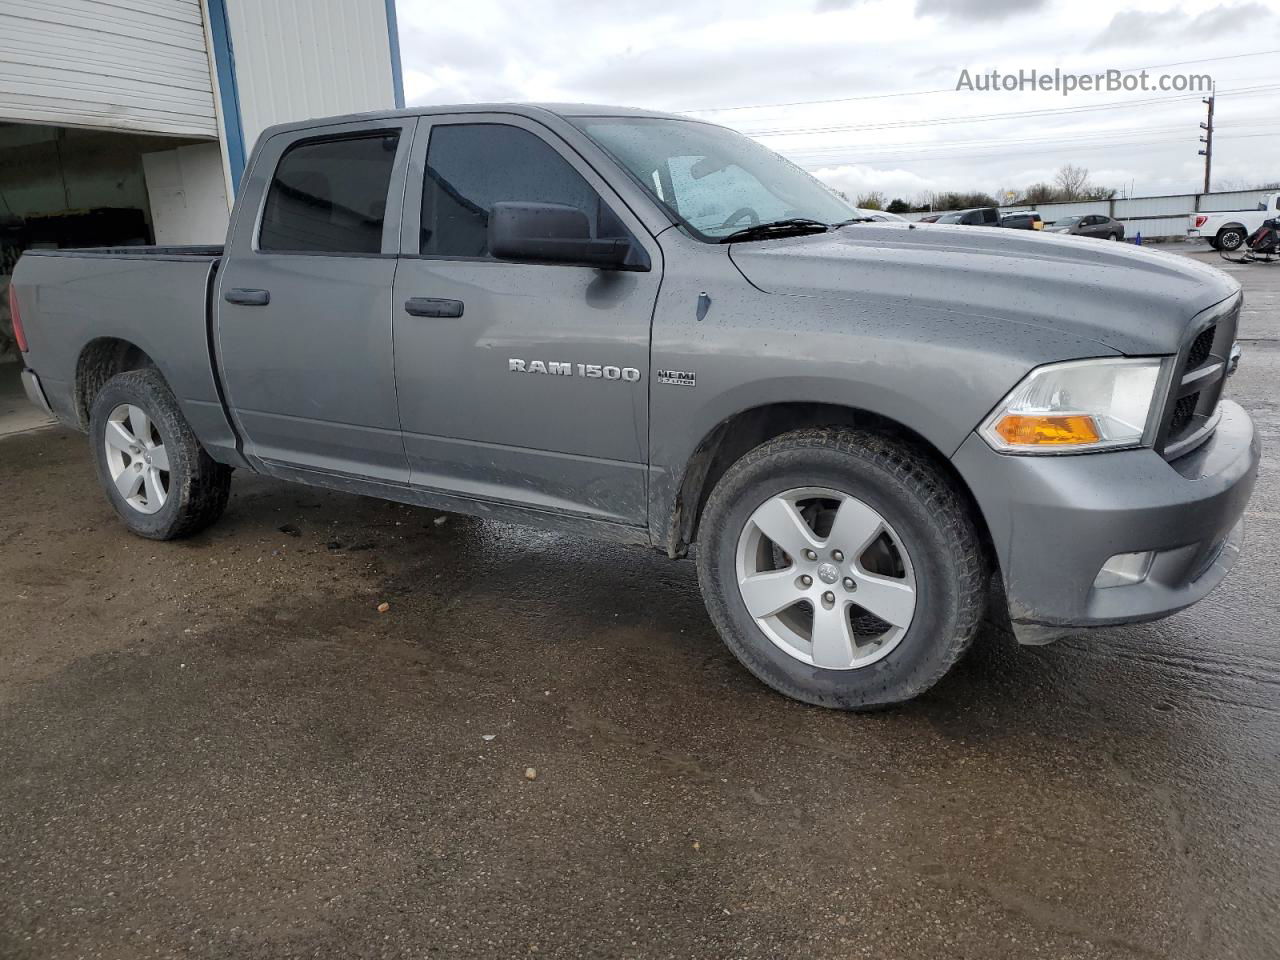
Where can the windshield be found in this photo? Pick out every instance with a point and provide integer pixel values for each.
(950, 218)
(713, 180)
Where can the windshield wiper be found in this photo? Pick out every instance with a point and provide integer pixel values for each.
(845, 223)
(790, 227)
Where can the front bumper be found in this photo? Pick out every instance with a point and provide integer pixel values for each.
(1055, 521)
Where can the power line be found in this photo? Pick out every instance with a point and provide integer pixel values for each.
(986, 141)
(918, 146)
(845, 161)
(923, 93)
(1012, 115)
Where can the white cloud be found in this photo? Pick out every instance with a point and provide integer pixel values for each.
(685, 56)
(856, 180)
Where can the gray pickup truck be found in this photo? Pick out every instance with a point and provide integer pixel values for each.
(651, 329)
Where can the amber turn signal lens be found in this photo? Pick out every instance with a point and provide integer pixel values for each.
(1047, 430)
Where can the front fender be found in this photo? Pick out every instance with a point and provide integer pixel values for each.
(935, 372)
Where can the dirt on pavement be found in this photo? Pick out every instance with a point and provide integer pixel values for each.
(221, 748)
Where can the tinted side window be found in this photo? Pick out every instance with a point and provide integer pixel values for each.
(330, 196)
(470, 167)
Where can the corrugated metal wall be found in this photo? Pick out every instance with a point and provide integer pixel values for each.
(1150, 216)
(337, 59)
(136, 65)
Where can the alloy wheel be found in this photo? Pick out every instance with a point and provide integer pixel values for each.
(137, 458)
(826, 578)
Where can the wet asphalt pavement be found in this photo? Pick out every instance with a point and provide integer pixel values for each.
(219, 748)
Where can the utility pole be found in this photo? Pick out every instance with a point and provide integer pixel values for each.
(1207, 140)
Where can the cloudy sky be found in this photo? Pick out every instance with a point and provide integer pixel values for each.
(862, 92)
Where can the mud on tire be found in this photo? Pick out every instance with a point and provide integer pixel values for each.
(196, 487)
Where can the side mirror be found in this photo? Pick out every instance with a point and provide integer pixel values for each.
(553, 233)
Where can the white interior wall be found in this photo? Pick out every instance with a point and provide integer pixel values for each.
(187, 193)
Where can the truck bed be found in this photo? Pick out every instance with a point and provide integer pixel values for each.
(79, 305)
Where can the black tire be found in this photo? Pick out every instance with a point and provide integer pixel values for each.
(1230, 238)
(1213, 242)
(198, 486)
(918, 501)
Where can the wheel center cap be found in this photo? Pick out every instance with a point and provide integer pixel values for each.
(828, 573)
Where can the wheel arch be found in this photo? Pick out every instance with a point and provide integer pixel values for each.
(729, 439)
(100, 360)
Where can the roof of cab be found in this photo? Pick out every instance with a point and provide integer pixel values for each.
(532, 110)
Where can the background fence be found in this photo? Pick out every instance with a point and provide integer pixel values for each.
(1151, 216)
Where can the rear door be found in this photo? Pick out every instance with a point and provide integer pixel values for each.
(530, 385)
(304, 301)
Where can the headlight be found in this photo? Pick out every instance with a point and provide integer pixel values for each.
(1079, 406)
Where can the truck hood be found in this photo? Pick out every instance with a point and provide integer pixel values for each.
(1135, 300)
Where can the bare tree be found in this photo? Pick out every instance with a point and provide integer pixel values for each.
(1072, 181)
(1039, 193)
(871, 201)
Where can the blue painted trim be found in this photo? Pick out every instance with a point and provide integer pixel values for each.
(224, 60)
(397, 74)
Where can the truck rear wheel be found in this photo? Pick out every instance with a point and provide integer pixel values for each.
(1230, 238)
(156, 475)
(841, 568)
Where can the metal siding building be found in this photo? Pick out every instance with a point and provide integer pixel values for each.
(1152, 217)
(129, 121)
(339, 64)
(137, 66)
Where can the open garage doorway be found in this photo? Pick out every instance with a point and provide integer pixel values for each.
(66, 187)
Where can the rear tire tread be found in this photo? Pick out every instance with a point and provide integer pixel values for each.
(201, 490)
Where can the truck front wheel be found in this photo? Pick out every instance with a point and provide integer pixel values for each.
(156, 475)
(841, 568)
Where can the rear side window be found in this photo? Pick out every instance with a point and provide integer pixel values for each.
(472, 166)
(330, 196)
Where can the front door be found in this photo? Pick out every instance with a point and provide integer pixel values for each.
(304, 303)
(522, 383)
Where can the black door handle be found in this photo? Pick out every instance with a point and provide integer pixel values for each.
(247, 298)
(432, 307)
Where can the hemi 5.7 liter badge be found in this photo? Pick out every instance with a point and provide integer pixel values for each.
(681, 378)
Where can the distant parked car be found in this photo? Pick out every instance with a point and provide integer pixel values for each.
(977, 217)
(1093, 225)
(1024, 220)
(931, 218)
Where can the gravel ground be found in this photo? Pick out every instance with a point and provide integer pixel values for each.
(220, 748)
